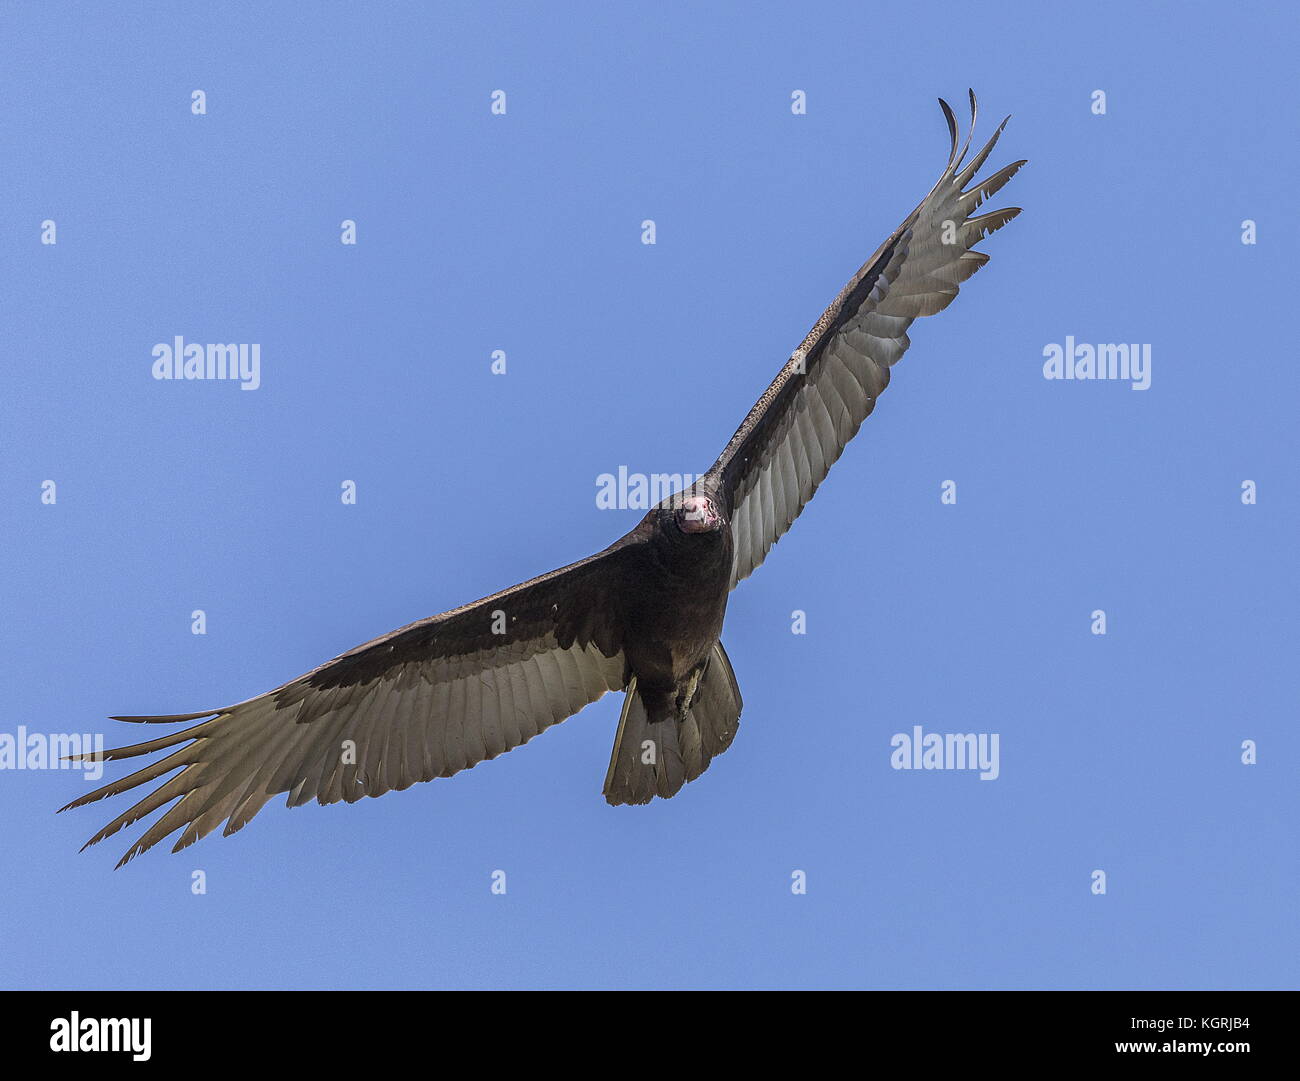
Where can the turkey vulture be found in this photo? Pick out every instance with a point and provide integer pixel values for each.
(644, 616)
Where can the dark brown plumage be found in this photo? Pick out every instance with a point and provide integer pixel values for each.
(645, 615)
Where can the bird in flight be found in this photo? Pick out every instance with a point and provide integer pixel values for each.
(644, 616)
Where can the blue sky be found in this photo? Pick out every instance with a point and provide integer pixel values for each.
(522, 233)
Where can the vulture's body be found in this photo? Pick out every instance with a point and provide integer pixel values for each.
(644, 616)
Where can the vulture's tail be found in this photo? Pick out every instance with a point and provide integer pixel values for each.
(657, 759)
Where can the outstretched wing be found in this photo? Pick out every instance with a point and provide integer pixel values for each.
(801, 424)
(425, 701)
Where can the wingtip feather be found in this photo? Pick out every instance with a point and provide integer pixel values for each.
(170, 718)
(951, 118)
